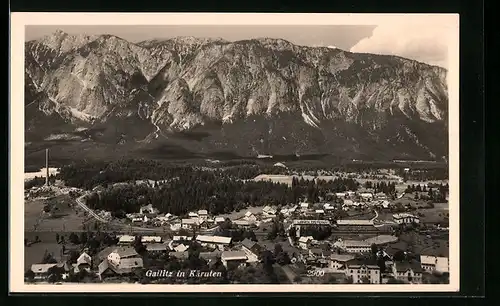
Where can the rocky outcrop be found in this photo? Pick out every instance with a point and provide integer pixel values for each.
(261, 95)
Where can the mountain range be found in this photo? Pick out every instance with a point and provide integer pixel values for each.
(250, 97)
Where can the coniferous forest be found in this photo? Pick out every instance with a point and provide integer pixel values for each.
(178, 189)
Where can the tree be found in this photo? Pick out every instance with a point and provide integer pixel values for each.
(73, 256)
(374, 249)
(266, 257)
(381, 264)
(399, 256)
(73, 238)
(29, 275)
(48, 258)
(365, 280)
(83, 238)
(57, 237)
(277, 249)
(138, 246)
(292, 233)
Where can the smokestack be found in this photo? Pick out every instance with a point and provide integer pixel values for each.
(47, 166)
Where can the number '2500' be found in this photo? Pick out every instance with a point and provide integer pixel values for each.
(315, 273)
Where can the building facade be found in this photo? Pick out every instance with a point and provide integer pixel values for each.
(361, 272)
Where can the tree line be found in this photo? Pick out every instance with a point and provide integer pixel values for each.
(180, 189)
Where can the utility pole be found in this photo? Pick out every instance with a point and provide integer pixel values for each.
(47, 166)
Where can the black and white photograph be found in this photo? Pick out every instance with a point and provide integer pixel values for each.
(162, 152)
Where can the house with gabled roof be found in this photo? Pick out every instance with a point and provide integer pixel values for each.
(214, 242)
(431, 263)
(305, 242)
(42, 270)
(191, 223)
(252, 249)
(338, 261)
(125, 266)
(408, 272)
(148, 209)
(157, 248)
(84, 262)
(203, 214)
(234, 259)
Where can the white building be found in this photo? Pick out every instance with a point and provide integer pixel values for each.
(250, 217)
(150, 239)
(114, 258)
(190, 223)
(431, 264)
(219, 220)
(407, 272)
(234, 258)
(338, 261)
(362, 272)
(84, 259)
(366, 196)
(181, 248)
(215, 242)
(269, 211)
(148, 209)
(192, 215)
(305, 242)
(126, 239)
(353, 246)
(203, 214)
(405, 218)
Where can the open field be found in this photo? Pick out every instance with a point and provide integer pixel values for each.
(41, 173)
(439, 213)
(240, 214)
(64, 216)
(422, 244)
(427, 215)
(34, 253)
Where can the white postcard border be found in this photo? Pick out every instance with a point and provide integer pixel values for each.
(16, 207)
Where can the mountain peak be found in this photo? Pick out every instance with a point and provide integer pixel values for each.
(264, 93)
(60, 33)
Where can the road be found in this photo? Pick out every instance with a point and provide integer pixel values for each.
(90, 211)
(383, 223)
(79, 201)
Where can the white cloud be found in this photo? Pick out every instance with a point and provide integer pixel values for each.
(424, 43)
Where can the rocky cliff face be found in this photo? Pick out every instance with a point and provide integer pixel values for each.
(260, 96)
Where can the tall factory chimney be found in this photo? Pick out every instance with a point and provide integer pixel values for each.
(47, 166)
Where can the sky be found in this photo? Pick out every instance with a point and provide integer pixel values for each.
(421, 43)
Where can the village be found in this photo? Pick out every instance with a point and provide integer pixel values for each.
(362, 237)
